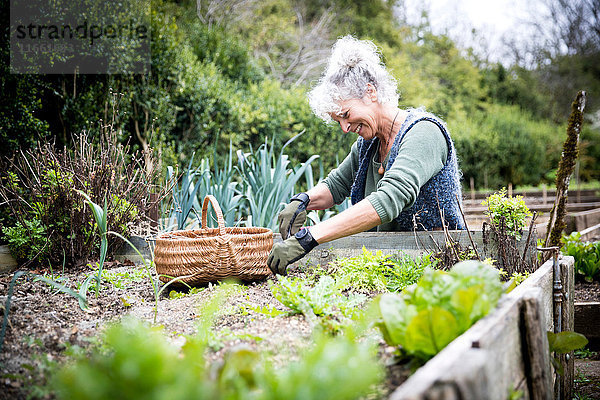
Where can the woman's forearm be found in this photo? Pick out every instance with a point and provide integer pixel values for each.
(358, 218)
(320, 197)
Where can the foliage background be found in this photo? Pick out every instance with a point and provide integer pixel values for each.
(238, 70)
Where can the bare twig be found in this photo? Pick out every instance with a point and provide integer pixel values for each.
(467, 226)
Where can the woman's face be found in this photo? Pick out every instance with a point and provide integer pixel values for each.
(359, 116)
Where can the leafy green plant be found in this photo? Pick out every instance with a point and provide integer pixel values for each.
(563, 343)
(138, 362)
(100, 214)
(585, 353)
(324, 300)
(268, 182)
(124, 279)
(512, 281)
(377, 272)
(428, 315)
(586, 254)
(508, 212)
(269, 311)
(26, 242)
(174, 294)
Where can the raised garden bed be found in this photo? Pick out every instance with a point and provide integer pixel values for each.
(502, 353)
(587, 312)
(520, 320)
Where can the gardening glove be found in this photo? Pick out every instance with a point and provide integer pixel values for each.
(293, 215)
(290, 250)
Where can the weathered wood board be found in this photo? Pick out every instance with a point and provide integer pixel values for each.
(508, 349)
(579, 221)
(412, 243)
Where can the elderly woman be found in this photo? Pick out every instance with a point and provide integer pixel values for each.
(401, 174)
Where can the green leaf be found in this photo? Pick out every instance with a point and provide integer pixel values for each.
(430, 331)
(396, 315)
(565, 342)
(468, 306)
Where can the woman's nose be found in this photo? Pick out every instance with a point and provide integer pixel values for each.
(345, 126)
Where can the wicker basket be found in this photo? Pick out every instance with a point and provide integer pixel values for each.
(212, 254)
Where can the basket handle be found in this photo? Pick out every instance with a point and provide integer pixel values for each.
(217, 208)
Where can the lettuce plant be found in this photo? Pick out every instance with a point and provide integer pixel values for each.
(428, 315)
(586, 254)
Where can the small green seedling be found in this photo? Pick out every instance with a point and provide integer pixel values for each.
(100, 215)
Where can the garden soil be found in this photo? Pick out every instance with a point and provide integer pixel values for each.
(44, 322)
(585, 291)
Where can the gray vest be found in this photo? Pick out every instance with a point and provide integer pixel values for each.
(438, 198)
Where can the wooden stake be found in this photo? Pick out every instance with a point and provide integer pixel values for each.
(556, 224)
(472, 182)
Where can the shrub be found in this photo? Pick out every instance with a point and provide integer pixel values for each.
(52, 225)
(509, 213)
(505, 145)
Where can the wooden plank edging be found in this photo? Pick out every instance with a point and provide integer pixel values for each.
(511, 341)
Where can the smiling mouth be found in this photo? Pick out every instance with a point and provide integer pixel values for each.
(358, 128)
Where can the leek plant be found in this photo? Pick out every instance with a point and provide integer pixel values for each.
(222, 186)
(184, 196)
(268, 182)
(100, 214)
(316, 216)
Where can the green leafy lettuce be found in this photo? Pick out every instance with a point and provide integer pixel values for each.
(428, 315)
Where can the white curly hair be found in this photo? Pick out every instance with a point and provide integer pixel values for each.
(352, 65)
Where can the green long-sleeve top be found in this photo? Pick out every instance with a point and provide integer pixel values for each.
(421, 155)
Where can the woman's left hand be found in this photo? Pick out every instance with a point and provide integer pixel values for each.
(290, 250)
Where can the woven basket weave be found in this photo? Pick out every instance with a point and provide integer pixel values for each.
(212, 254)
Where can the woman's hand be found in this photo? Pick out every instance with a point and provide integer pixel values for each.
(290, 250)
(358, 218)
(293, 215)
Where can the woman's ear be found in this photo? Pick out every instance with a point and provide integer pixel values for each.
(371, 92)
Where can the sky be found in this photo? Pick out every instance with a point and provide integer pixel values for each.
(494, 21)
